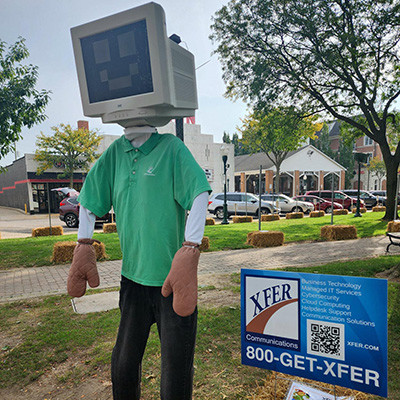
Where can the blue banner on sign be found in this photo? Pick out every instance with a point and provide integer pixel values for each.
(327, 328)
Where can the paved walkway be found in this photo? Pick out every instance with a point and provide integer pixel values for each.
(34, 282)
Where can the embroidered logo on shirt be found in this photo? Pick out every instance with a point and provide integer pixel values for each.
(150, 171)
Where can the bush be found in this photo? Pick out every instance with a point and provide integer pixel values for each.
(55, 231)
(265, 238)
(64, 251)
(378, 208)
(270, 217)
(294, 215)
(242, 218)
(316, 214)
(339, 232)
(110, 228)
(210, 221)
(343, 211)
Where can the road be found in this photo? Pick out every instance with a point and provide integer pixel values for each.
(15, 223)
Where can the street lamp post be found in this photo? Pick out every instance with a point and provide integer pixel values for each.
(226, 166)
(360, 158)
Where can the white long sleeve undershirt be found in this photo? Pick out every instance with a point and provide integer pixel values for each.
(195, 223)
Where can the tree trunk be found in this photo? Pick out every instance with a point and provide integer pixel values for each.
(71, 181)
(277, 178)
(392, 166)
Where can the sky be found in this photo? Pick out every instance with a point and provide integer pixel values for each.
(46, 24)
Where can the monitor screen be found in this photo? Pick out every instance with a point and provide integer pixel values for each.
(117, 62)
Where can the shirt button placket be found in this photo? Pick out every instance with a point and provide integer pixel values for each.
(133, 176)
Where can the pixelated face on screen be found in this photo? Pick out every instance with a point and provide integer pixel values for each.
(117, 62)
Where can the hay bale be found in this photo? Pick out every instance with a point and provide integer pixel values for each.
(343, 211)
(205, 243)
(55, 231)
(317, 214)
(210, 221)
(270, 217)
(242, 218)
(378, 208)
(270, 388)
(265, 238)
(339, 232)
(64, 251)
(294, 215)
(362, 210)
(110, 228)
(393, 226)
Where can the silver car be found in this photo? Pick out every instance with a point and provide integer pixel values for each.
(286, 204)
(239, 204)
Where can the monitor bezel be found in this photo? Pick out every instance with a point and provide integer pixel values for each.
(159, 50)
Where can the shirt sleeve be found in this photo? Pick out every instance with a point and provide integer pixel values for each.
(87, 222)
(195, 223)
(189, 178)
(96, 191)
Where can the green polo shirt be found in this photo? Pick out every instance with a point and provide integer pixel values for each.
(150, 188)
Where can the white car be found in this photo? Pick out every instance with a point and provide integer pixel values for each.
(286, 204)
(239, 204)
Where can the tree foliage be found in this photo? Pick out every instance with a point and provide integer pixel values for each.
(327, 56)
(323, 143)
(344, 156)
(239, 147)
(72, 149)
(276, 133)
(377, 167)
(21, 105)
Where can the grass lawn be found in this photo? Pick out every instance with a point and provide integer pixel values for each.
(233, 236)
(36, 339)
(30, 252)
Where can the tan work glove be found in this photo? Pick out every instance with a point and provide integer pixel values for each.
(83, 268)
(182, 280)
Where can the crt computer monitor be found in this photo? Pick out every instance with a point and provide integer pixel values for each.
(130, 72)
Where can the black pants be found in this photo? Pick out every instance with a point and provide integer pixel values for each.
(141, 306)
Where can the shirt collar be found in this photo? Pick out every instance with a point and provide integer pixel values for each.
(146, 147)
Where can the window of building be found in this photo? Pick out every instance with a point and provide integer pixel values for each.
(368, 141)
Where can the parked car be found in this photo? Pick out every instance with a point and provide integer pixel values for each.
(338, 197)
(381, 196)
(286, 204)
(319, 203)
(66, 191)
(69, 212)
(239, 204)
(369, 199)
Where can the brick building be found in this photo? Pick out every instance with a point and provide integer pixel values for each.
(364, 144)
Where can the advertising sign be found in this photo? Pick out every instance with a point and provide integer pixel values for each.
(328, 328)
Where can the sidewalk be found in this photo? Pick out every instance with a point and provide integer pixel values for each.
(41, 281)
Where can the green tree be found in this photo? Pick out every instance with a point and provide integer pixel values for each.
(276, 133)
(323, 143)
(339, 57)
(226, 138)
(239, 147)
(21, 105)
(377, 167)
(71, 148)
(344, 156)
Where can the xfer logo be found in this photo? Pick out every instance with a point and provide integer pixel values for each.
(272, 310)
